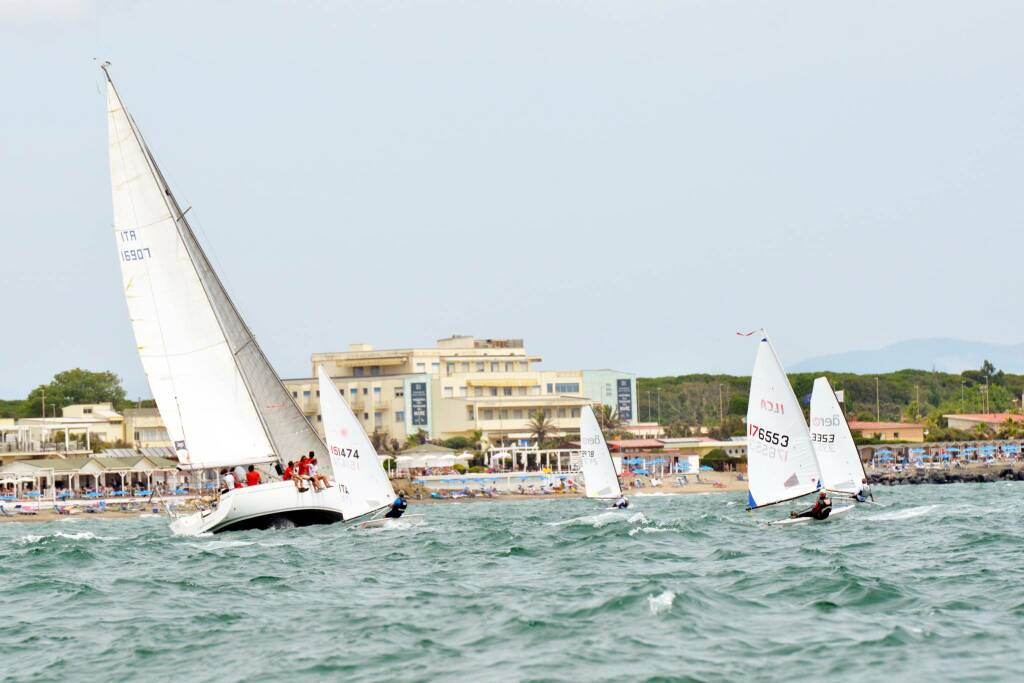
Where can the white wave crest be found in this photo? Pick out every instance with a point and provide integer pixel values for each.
(80, 536)
(661, 603)
(899, 515)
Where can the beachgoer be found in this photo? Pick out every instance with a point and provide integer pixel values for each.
(228, 479)
(398, 506)
(820, 510)
(252, 477)
(622, 503)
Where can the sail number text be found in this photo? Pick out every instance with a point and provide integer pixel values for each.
(137, 254)
(773, 407)
(768, 436)
(823, 438)
(345, 452)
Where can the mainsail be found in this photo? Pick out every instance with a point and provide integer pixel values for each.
(220, 399)
(841, 468)
(365, 484)
(596, 462)
(780, 458)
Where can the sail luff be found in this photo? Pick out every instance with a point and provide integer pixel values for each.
(599, 475)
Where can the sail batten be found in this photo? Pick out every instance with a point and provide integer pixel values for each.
(781, 462)
(219, 397)
(599, 475)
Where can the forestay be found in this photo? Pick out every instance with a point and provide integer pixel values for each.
(595, 460)
(364, 483)
(780, 459)
(220, 399)
(841, 468)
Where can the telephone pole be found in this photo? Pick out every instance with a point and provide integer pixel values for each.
(878, 404)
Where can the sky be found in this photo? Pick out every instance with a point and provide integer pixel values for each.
(622, 184)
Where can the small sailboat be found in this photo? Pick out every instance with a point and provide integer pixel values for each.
(596, 462)
(842, 471)
(366, 491)
(220, 399)
(781, 462)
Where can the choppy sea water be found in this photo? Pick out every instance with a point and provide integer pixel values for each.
(929, 587)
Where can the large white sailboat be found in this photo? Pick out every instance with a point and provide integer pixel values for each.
(781, 462)
(221, 401)
(596, 463)
(842, 471)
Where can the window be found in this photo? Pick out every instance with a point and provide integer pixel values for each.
(137, 436)
(353, 391)
(494, 366)
(421, 367)
(517, 414)
(488, 414)
(365, 391)
(87, 411)
(451, 368)
(464, 367)
(399, 392)
(469, 412)
(435, 367)
(305, 394)
(375, 370)
(377, 416)
(573, 388)
(507, 391)
(508, 367)
(494, 391)
(448, 392)
(550, 387)
(561, 412)
(462, 391)
(318, 393)
(399, 416)
(895, 435)
(366, 416)
(575, 412)
(480, 367)
(358, 372)
(504, 413)
(521, 391)
(319, 418)
(478, 391)
(376, 393)
(295, 394)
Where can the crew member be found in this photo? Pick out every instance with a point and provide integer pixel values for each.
(820, 510)
(398, 507)
(252, 477)
(622, 503)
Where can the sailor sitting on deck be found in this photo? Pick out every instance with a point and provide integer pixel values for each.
(862, 495)
(622, 503)
(291, 473)
(398, 507)
(820, 510)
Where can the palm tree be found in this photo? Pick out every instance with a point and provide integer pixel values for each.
(540, 426)
(607, 419)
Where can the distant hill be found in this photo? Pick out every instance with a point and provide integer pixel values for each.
(944, 355)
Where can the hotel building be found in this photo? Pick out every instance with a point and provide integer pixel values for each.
(462, 385)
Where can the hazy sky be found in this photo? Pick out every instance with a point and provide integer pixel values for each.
(622, 184)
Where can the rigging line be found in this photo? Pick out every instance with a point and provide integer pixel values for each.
(149, 279)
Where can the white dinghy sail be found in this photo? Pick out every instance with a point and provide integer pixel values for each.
(595, 460)
(365, 487)
(220, 399)
(841, 468)
(780, 459)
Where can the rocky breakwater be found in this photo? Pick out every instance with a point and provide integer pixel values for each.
(952, 476)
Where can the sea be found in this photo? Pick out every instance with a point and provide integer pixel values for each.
(928, 585)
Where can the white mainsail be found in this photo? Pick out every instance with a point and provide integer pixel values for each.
(780, 459)
(365, 484)
(595, 460)
(841, 468)
(220, 399)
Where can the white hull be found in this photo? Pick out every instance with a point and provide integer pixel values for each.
(266, 506)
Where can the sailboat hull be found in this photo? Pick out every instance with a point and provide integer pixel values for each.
(267, 506)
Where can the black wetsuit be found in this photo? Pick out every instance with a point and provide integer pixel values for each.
(820, 510)
(397, 508)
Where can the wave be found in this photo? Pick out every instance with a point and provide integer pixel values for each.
(900, 515)
(603, 519)
(80, 536)
(661, 603)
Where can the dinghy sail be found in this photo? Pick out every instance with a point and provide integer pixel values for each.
(780, 459)
(841, 468)
(595, 460)
(365, 487)
(220, 399)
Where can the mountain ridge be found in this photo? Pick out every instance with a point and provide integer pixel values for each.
(941, 354)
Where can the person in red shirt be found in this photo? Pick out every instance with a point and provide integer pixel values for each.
(252, 477)
(304, 465)
(291, 472)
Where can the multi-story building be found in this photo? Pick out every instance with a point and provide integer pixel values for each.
(462, 385)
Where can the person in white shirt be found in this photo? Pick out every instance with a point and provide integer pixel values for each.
(320, 482)
(228, 479)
